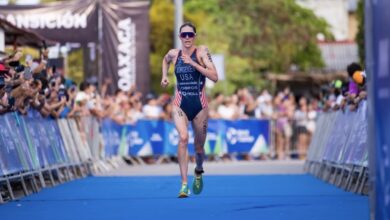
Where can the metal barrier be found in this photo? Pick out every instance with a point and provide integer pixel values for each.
(338, 152)
(37, 152)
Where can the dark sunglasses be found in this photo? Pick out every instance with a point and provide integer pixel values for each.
(187, 34)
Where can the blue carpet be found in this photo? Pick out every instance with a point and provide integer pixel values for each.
(224, 197)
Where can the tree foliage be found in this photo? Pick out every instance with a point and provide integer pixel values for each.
(360, 33)
(161, 15)
(255, 36)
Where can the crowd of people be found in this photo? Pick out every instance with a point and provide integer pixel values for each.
(35, 85)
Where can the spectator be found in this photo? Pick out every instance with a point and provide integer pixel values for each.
(249, 107)
(124, 115)
(214, 104)
(152, 110)
(228, 110)
(301, 118)
(264, 106)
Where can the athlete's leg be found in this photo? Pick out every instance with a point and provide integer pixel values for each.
(199, 125)
(181, 123)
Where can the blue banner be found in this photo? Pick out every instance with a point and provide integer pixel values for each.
(27, 155)
(153, 138)
(56, 142)
(377, 37)
(10, 161)
(31, 142)
(357, 146)
(247, 136)
(112, 137)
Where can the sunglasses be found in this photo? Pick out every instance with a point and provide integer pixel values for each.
(187, 34)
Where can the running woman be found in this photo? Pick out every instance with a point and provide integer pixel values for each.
(192, 65)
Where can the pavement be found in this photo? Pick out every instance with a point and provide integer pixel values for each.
(214, 168)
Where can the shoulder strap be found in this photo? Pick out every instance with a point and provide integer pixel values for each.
(198, 58)
(177, 58)
(178, 55)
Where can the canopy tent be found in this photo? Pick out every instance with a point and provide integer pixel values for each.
(18, 36)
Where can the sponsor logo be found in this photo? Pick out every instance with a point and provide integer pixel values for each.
(126, 54)
(67, 20)
(156, 137)
(174, 137)
(211, 136)
(239, 135)
(112, 137)
(134, 139)
(184, 69)
(189, 93)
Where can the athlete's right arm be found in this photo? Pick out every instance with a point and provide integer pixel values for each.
(168, 59)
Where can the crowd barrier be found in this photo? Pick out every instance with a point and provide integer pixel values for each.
(36, 152)
(158, 137)
(338, 151)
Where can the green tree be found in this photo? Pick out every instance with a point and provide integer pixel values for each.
(258, 36)
(161, 16)
(360, 33)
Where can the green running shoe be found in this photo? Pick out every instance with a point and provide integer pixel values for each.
(184, 191)
(197, 185)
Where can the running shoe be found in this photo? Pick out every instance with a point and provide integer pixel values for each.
(184, 191)
(197, 185)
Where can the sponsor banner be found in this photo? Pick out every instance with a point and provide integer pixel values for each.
(10, 160)
(75, 21)
(119, 28)
(357, 147)
(27, 156)
(31, 142)
(147, 137)
(111, 132)
(377, 41)
(242, 136)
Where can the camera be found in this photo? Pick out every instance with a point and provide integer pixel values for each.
(27, 73)
(19, 68)
(62, 93)
(14, 64)
(2, 82)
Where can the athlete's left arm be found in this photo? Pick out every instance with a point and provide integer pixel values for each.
(207, 69)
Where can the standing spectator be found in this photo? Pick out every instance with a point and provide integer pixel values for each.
(264, 106)
(249, 107)
(214, 104)
(301, 118)
(283, 128)
(124, 116)
(228, 110)
(152, 110)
